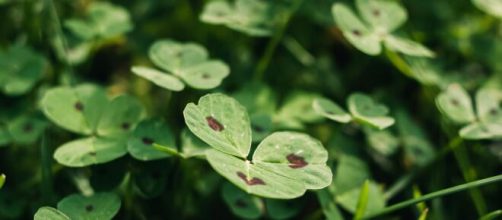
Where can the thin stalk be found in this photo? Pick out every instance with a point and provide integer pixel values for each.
(362, 202)
(46, 166)
(399, 63)
(469, 173)
(274, 42)
(440, 193)
(492, 215)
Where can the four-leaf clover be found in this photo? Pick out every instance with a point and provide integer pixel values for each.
(185, 63)
(380, 18)
(284, 165)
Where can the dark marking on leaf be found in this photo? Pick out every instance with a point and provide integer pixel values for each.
(206, 76)
(257, 128)
(241, 203)
(493, 112)
(28, 127)
(92, 153)
(252, 181)
(147, 141)
(356, 32)
(79, 106)
(89, 208)
(296, 161)
(455, 102)
(376, 12)
(214, 124)
(125, 126)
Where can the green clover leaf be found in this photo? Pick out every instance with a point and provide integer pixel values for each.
(184, 63)
(252, 17)
(97, 206)
(86, 109)
(284, 165)
(145, 135)
(103, 20)
(381, 19)
(49, 213)
(331, 110)
(20, 69)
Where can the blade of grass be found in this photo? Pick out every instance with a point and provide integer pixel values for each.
(362, 202)
(440, 193)
(492, 215)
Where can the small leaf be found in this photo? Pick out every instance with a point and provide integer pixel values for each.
(406, 46)
(2, 180)
(356, 32)
(148, 132)
(216, 12)
(150, 178)
(119, 117)
(20, 69)
(382, 15)
(382, 141)
(242, 204)
(26, 129)
(480, 130)
(49, 213)
(88, 151)
(192, 146)
(331, 110)
(159, 78)
(97, 206)
(221, 122)
(456, 104)
(207, 75)
(364, 109)
(488, 105)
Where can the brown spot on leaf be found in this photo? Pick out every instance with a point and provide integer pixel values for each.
(147, 141)
(455, 102)
(214, 124)
(376, 12)
(206, 76)
(28, 127)
(296, 161)
(356, 32)
(125, 126)
(252, 181)
(89, 208)
(79, 106)
(493, 112)
(241, 203)
(92, 153)
(257, 128)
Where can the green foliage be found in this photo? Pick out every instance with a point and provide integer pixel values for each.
(2, 180)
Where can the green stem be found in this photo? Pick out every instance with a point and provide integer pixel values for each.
(362, 202)
(470, 174)
(46, 163)
(274, 42)
(437, 194)
(399, 63)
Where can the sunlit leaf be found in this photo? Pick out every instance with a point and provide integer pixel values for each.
(97, 206)
(482, 130)
(331, 110)
(148, 132)
(489, 105)
(159, 78)
(456, 104)
(383, 15)
(407, 46)
(365, 110)
(49, 213)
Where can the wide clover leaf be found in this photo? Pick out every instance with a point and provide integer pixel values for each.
(103, 20)
(363, 109)
(284, 165)
(456, 104)
(86, 109)
(252, 17)
(184, 63)
(380, 18)
(20, 69)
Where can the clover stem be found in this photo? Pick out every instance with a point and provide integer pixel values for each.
(46, 161)
(469, 174)
(440, 193)
(399, 63)
(274, 42)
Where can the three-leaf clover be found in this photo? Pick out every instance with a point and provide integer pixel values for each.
(20, 69)
(284, 165)
(253, 17)
(456, 104)
(362, 108)
(86, 109)
(380, 18)
(103, 20)
(80, 207)
(184, 63)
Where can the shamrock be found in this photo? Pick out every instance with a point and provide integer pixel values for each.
(380, 19)
(79, 207)
(456, 104)
(253, 17)
(20, 69)
(362, 108)
(284, 165)
(85, 109)
(186, 63)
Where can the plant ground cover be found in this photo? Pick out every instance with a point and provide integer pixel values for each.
(250, 109)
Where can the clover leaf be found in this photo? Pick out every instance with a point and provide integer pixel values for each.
(493, 7)
(380, 18)
(86, 109)
(184, 63)
(20, 69)
(252, 17)
(456, 104)
(147, 133)
(49, 213)
(242, 204)
(284, 165)
(103, 20)
(363, 109)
